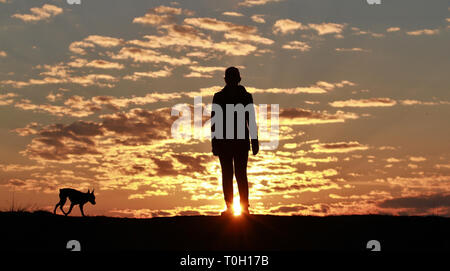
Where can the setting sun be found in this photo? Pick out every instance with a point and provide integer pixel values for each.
(237, 206)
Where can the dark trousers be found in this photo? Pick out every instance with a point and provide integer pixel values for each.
(239, 158)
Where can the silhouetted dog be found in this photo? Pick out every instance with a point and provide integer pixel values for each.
(75, 197)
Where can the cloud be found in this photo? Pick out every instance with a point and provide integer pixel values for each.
(79, 47)
(258, 18)
(37, 14)
(193, 162)
(442, 166)
(411, 186)
(207, 91)
(197, 54)
(142, 125)
(372, 102)
(248, 37)
(161, 15)
(154, 19)
(417, 158)
(29, 129)
(356, 49)
(42, 186)
(235, 48)
(17, 167)
(147, 55)
(286, 26)
(296, 90)
(104, 41)
(292, 181)
(357, 31)
(232, 14)
(206, 210)
(61, 143)
(182, 36)
(327, 28)
(423, 202)
(310, 161)
(339, 147)
(101, 80)
(393, 160)
(423, 32)
(288, 209)
(58, 142)
(393, 29)
(384, 148)
(56, 110)
(52, 97)
(297, 45)
(60, 74)
(416, 102)
(298, 116)
(166, 72)
(290, 146)
(176, 35)
(7, 99)
(167, 10)
(98, 63)
(251, 3)
(77, 106)
(320, 87)
(220, 26)
(203, 71)
(148, 193)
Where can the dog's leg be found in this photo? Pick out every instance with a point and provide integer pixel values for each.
(81, 209)
(61, 204)
(56, 207)
(70, 209)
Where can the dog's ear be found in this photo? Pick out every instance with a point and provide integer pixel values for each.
(92, 191)
(88, 191)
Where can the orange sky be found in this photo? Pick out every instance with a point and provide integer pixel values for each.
(86, 93)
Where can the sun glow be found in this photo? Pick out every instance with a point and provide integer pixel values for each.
(237, 206)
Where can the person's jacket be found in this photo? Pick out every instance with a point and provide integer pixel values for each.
(233, 95)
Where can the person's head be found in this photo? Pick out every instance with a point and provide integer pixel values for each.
(232, 76)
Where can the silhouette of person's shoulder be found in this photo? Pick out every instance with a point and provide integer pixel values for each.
(239, 93)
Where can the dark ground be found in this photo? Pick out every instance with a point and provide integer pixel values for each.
(42, 231)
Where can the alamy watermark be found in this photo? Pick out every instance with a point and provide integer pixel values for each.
(74, 2)
(73, 245)
(373, 245)
(257, 122)
(373, 2)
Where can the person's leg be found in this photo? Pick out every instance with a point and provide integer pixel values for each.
(240, 167)
(226, 163)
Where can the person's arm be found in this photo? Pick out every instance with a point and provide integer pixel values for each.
(253, 128)
(213, 140)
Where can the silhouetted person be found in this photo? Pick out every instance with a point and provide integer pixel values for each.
(233, 152)
(75, 197)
